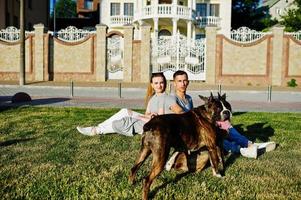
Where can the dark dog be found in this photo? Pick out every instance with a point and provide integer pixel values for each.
(186, 132)
(197, 160)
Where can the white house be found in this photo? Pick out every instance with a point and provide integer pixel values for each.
(277, 8)
(167, 17)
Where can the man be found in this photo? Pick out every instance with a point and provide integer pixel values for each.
(235, 143)
(181, 83)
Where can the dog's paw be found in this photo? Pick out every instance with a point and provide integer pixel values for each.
(218, 175)
(131, 181)
(168, 166)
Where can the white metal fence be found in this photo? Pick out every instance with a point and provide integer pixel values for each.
(296, 35)
(246, 35)
(11, 34)
(73, 34)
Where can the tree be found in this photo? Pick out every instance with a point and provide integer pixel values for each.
(22, 44)
(65, 9)
(292, 20)
(247, 13)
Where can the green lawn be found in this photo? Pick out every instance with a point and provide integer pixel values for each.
(44, 157)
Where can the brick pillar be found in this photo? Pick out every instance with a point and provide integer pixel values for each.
(128, 54)
(145, 65)
(39, 52)
(101, 48)
(276, 71)
(210, 55)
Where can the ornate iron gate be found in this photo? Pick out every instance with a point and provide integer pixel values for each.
(115, 57)
(173, 53)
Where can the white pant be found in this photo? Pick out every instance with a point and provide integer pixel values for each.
(106, 126)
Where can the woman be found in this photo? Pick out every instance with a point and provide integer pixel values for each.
(237, 143)
(128, 122)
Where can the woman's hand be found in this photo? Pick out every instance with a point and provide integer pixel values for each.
(147, 117)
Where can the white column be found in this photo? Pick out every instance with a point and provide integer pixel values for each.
(188, 31)
(189, 3)
(174, 8)
(193, 32)
(225, 15)
(140, 31)
(156, 27)
(193, 4)
(174, 26)
(156, 3)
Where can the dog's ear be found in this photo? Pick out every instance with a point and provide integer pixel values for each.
(205, 99)
(211, 97)
(224, 96)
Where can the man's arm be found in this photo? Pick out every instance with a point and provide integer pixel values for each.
(176, 109)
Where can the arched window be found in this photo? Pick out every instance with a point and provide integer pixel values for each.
(164, 32)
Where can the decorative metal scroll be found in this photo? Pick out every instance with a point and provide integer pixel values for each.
(296, 35)
(246, 35)
(115, 57)
(11, 34)
(72, 34)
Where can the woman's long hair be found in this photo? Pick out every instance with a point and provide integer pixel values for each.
(150, 91)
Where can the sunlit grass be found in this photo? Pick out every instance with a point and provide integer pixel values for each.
(44, 157)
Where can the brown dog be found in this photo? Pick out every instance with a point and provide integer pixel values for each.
(186, 133)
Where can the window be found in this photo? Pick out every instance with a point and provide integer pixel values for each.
(15, 21)
(201, 9)
(214, 10)
(7, 19)
(29, 26)
(200, 36)
(29, 4)
(128, 9)
(115, 9)
(88, 4)
(278, 11)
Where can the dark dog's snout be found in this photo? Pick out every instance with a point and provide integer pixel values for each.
(226, 115)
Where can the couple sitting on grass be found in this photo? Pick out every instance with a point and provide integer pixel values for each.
(129, 123)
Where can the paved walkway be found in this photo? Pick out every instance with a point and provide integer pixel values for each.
(111, 95)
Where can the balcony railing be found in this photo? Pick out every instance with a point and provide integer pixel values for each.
(166, 11)
(208, 21)
(120, 20)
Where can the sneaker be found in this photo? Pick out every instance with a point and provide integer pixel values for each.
(250, 152)
(268, 146)
(90, 131)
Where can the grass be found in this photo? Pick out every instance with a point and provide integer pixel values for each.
(43, 157)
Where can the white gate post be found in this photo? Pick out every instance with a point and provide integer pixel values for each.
(101, 49)
(128, 54)
(210, 54)
(178, 50)
(145, 53)
(39, 52)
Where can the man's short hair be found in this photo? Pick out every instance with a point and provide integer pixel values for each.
(178, 73)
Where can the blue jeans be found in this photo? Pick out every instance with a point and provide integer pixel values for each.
(235, 141)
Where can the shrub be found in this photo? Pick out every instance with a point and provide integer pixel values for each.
(292, 83)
